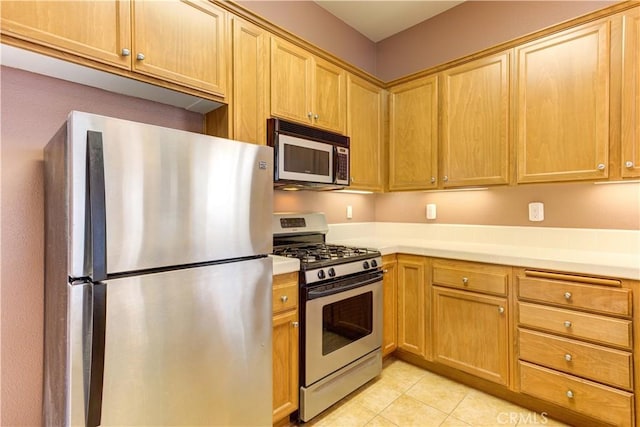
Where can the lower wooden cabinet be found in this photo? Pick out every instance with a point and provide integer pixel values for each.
(413, 306)
(285, 345)
(470, 333)
(390, 305)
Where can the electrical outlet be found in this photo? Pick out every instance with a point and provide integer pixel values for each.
(349, 212)
(536, 211)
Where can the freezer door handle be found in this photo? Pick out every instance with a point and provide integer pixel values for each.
(97, 206)
(93, 410)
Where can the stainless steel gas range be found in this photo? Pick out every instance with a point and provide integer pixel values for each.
(340, 310)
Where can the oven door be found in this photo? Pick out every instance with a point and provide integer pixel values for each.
(342, 326)
(304, 160)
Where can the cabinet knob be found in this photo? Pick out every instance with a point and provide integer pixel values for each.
(567, 296)
(601, 167)
(501, 309)
(140, 56)
(309, 114)
(465, 280)
(294, 324)
(628, 164)
(385, 271)
(284, 298)
(569, 394)
(351, 179)
(445, 178)
(567, 357)
(125, 52)
(567, 324)
(315, 116)
(433, 179)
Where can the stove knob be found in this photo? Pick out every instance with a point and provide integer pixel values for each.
(332, 272)
(374, 263)
(365, 265)
(321, 274)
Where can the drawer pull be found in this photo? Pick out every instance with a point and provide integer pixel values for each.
(284, 298)
(567, 324)
(567, 357)
(567, 296)
(465, 280)
(294, 324)
(500, 309)
(569, 394)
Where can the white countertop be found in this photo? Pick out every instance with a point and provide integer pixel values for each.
(282, 265)
(612, 253)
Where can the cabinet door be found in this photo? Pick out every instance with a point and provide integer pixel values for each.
(250, 82)
(97, 30)
(412, 304)
(329, 96)
(390, 305)
(291, 70)
(365, 121)
(563, 105)
(631, 95)
(470, 333)
(413, 135)
(181, 41)
(475, 123)
(285, 364)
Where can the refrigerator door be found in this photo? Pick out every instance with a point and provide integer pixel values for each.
(190, 347)
(170, 197)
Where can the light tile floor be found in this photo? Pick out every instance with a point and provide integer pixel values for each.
(405, 395)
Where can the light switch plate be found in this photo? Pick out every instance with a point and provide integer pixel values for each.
(431, 211)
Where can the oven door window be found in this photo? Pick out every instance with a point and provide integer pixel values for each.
(346, 321)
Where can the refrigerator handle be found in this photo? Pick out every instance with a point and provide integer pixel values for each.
(97, 206)
(93, 409)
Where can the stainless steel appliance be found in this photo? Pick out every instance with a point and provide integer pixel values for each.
(340, 311)
(157, 280)
(307, 157)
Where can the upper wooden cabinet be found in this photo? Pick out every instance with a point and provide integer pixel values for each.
(365, 121)
(305, 88)
(182, 42)
(475, 122)
(97, 30)
(631, 94)
(250, 104)
(413, 135)
(562, 105)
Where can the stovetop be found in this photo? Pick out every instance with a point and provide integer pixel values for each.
(318, 255)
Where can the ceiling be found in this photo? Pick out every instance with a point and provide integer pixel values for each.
(379, 19)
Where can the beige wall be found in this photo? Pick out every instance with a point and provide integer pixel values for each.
(33, 109)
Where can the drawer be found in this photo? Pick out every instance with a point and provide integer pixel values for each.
(285, 292)
(601, 299)
(593, 327)
(602, 364)
(491, 279)
(586, 397)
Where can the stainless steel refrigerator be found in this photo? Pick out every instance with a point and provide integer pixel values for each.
(157, 280)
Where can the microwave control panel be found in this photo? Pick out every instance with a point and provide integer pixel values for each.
(342, 166)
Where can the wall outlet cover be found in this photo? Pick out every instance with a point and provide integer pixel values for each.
(536, 211)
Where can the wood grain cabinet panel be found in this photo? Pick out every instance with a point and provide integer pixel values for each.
(562, 105)
(631, 95)
(470, 333)
(598, 363)
(484, 278)
(64, 25)
(329, 96)
(412, 303)
(285, 339)
(596, 400)
(250, 82)
(184, 42)
(365, 121)
(390, 305)
(475, 108)
(413, 135)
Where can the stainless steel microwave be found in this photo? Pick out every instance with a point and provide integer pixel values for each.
(307, 157)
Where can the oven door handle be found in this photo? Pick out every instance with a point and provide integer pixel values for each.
(314, 294)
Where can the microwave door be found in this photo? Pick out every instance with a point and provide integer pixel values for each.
(304, 160)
